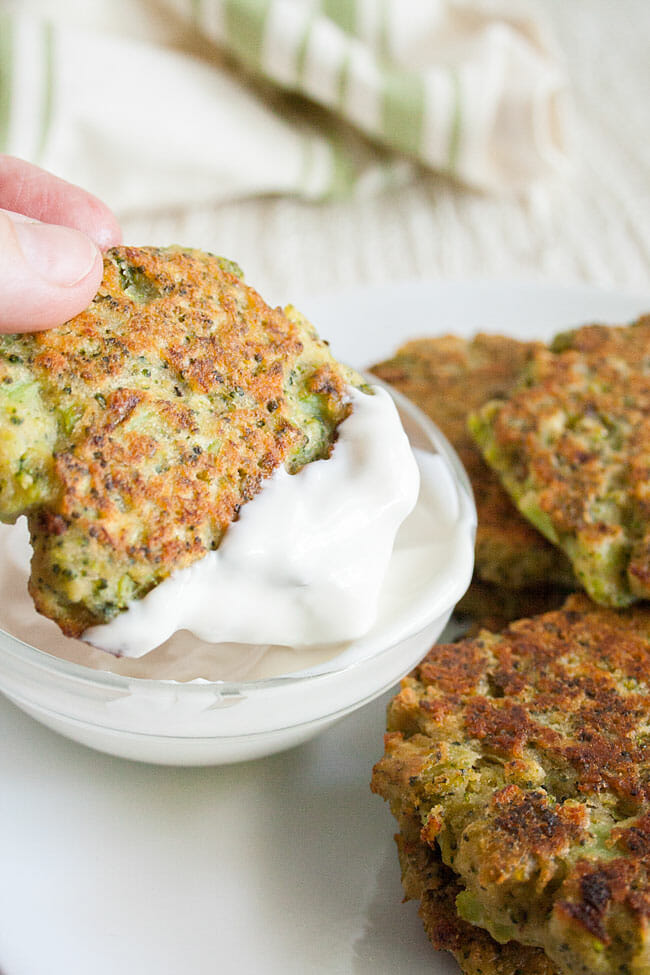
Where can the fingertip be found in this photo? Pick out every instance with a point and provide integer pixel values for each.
(61, 256)
(110, 237)
(48, 274)
(28, 189)
(81, 293)
(96, 220)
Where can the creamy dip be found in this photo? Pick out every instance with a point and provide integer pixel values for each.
(305, 560)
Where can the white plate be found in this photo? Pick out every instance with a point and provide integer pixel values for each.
(284, 866)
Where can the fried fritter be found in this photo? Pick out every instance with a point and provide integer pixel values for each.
(132, 435)
(426, 878)
(525, 757)
(448, 377)
(572, 446)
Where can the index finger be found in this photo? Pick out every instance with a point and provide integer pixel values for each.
(28, 189)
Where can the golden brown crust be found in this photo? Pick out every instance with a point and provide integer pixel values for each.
(595, 696)
(572, 444)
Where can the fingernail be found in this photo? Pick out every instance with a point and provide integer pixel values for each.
(59, 255)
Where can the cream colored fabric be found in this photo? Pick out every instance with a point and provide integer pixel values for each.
(134, 100)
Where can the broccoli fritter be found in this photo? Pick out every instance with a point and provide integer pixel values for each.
(525, 757)
(426, 878)
(132, 435)
(571, 444)
(448, 377)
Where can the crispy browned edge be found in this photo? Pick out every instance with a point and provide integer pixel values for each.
(425, 878)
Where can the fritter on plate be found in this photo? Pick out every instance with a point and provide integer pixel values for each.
(525, 757)
(448, 377)
(132, 435)
(572, 446)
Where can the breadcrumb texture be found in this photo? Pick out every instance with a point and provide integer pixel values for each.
(571, 444)
(426, 878)
(132, 435)
(448, 377)
(524, 757)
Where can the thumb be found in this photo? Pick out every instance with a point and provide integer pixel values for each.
(48, 273)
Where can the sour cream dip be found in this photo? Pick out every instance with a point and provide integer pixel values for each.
(306, 559)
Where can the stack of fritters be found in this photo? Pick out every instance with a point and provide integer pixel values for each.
(132, 435)
(518, 764)
(517, 571)
(518, 768)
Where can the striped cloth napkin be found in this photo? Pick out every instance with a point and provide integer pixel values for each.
(313, 97)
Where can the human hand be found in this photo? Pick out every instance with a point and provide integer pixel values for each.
(51, 237)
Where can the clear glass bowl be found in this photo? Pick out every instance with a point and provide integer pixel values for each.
(204, 722)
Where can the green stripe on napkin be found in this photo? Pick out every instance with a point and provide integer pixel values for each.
(402, 109)
(456, 126)
(246, 23)
(383, 49)
(301, 52)
(6, 64)
(48, 87)
(343, 13)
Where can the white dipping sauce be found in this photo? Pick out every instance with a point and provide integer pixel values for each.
(430, 568)
(304, 562)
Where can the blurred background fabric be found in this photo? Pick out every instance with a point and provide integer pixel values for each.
(467, 88)
(328, 143)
